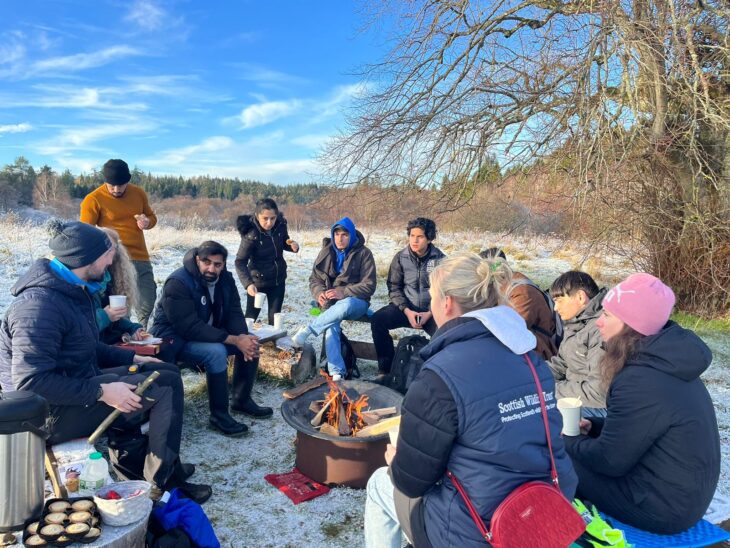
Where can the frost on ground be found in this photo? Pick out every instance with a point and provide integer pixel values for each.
(247, 511)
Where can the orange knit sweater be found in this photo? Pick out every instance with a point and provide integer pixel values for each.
(102, 209)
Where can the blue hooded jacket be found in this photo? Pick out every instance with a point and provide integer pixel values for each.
(348, 225)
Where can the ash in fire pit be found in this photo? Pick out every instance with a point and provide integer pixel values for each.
(341, 459)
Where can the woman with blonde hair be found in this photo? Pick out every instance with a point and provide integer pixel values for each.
(473, 410)
(120, 279)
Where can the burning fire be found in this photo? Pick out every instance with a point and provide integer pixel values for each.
(343, 413)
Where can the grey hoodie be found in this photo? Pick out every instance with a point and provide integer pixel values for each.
(576, 366)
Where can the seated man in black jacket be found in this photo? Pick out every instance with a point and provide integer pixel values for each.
(408, 286)
(200, 309)
(49, 344)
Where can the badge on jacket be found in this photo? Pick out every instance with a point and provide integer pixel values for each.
(203, 301)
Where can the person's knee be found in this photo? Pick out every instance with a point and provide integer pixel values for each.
(377, 486)
(216, 359)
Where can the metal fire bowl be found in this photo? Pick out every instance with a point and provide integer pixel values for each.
(339, 460)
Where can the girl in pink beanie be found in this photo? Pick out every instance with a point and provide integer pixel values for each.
(654, 461)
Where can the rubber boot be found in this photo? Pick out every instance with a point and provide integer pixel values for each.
(220, 419)
(244, 374)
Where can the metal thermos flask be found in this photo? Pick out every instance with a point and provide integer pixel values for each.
(22, 448)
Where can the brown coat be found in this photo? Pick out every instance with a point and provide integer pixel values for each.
(529, 302)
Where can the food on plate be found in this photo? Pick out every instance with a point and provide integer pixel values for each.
(55, 517)
(82, 506)
(80, 517)
(52, 530)
(32, 528)
(77, 529)
(35, 540)
(58, 506)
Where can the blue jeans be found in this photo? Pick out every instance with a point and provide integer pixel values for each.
(588, 412)
(382, 529)
(212, 356)
(328, 322)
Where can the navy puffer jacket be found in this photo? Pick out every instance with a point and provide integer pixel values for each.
(473, 410)
(49, 342)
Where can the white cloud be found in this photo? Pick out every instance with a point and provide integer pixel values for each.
(179, 155)
(265, 113)
(87, 138)
(15, 128)
(82, 61)
(312, 141)
(70, 97)
(147, 14)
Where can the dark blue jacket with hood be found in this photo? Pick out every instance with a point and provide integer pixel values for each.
(49, 342)
(473, 409)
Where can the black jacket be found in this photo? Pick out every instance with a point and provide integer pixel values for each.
(408, 281)
(660, 439)
(184, 308)
(49, 342)
(260, 258)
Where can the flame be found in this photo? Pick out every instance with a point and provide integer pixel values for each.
(352, 409)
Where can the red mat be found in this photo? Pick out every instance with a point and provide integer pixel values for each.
(297, 486)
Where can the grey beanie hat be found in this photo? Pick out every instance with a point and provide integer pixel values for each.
(77, 244)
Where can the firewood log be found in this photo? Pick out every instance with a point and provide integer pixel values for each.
(380, 428)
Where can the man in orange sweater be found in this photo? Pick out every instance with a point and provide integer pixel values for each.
(124, 207)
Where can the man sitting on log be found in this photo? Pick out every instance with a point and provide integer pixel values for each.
(200, 310)
(342, 282)
(49, 345)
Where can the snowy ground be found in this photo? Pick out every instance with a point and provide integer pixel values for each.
(247, 511)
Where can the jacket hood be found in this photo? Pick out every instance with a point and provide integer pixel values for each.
(593, 309)
(191, 265)
(327, 242)
(502, 322)
(675, 351)
(347, 223)
(41, 275)
(244, 223)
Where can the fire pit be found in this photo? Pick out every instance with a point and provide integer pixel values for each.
(339, 460)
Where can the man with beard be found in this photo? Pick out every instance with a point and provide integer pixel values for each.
(408, 285)
(124, 207)
(200, 310)
(49, 345)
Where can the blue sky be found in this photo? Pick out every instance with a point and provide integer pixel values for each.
(250, 89)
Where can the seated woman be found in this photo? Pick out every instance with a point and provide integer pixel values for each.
(466, 412)
(119, 279)
(654, 461)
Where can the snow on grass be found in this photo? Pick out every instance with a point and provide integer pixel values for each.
(244, 509)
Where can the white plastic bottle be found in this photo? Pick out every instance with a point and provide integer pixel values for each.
(94, 474)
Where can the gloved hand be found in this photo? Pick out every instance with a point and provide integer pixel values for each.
(598, 532)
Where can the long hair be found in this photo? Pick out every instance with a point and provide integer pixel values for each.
(618, 350)
(123, 273)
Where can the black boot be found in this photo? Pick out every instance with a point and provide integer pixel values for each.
(244, 374)
(220, 419)
(194, 491)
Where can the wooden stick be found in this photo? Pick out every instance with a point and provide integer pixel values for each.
(382, 412)
(342, 425)
(318, 417)
(114, 414)
(297, 391)
(379, 428)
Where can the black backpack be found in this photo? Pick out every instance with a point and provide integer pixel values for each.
(348, 356)
(407, 362)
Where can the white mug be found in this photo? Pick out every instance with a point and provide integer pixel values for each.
(570, 410)
(278, 321)
(117, 301)
(258, 300)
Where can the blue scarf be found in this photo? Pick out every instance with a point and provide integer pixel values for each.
(62, 271)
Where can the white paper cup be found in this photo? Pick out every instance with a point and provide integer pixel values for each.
(278, 321)
(117, 301)
(570, 410)
(249, 324)
(258, 300)
(393, 434)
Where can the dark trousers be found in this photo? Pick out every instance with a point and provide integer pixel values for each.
(387, 318)
(274, 300)
(162, 405)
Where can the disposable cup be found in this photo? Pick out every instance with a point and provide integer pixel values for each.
(393, 434)
(258, 300)
(278, 321)
(117, 301)
(570, 410)
(249, 323)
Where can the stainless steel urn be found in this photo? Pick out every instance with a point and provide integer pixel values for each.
(22, 448)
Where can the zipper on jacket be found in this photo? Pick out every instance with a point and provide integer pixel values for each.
(276, 255)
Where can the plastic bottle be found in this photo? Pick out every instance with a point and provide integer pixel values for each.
(94, 475)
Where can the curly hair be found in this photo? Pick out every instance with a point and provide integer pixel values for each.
(123, 273)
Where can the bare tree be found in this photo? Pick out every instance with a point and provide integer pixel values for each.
(48, 188)
(628, 100)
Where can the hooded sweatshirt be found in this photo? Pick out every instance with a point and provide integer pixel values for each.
(659, 441)
(473, 410)
(355, 274)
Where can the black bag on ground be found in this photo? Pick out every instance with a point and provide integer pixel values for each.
(348, 355)
(127, 451)
(407, 362)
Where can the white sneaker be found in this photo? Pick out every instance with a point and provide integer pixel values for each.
(336, 377)
(301, 337)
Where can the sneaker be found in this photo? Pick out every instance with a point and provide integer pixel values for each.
(336, 377)
(301, 337)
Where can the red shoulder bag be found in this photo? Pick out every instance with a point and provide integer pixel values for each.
(536, 514)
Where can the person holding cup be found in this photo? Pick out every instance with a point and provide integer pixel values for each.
(654, 461)
(260, 263)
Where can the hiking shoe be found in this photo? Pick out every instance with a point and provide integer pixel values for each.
(301, 337)
(336, 377)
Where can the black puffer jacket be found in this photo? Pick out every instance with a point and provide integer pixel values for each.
(49, 342)
(408, 278)
(660, 440)
(260, 258)
(184, 308)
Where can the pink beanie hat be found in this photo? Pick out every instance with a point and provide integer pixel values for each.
(642, 302)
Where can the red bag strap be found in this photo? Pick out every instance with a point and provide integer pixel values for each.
(553, 470)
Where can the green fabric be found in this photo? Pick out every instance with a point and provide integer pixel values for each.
(599, 533)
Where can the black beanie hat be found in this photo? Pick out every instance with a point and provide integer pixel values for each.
(116, 172)
(77, 244)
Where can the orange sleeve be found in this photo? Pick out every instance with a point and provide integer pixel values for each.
(89, 213)
(148, 210)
